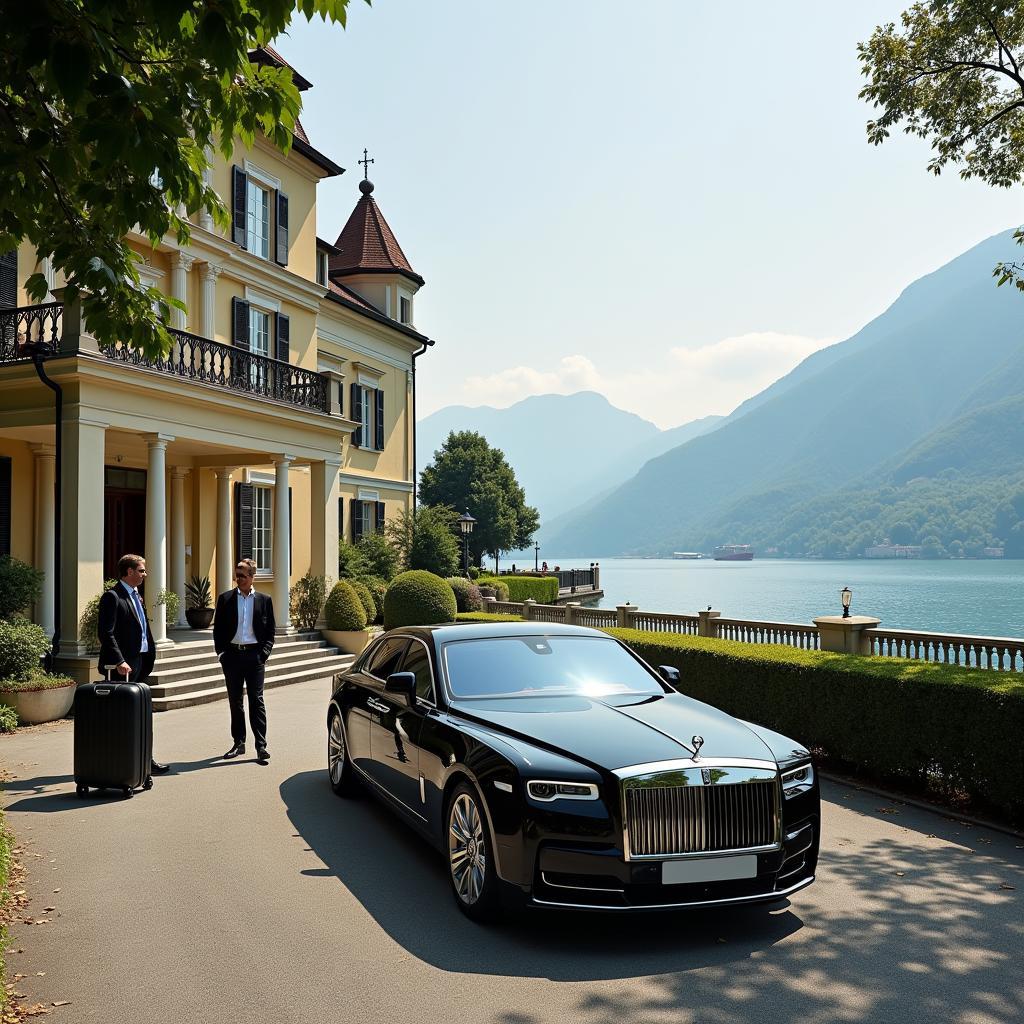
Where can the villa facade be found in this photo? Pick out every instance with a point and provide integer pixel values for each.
(281, 419)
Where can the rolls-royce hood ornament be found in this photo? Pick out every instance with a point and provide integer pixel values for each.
(697, 742)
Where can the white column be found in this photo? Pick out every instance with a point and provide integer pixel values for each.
(325, 489)
(208, 311)
(46, 464)
(282, 520)
(181, 264)
(178, 474)
(156, 534)
(225, 563)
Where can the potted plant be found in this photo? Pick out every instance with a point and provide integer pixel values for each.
(198, 609)
(346, 619)
(34, 694)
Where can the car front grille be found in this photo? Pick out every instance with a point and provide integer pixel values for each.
(669, 820)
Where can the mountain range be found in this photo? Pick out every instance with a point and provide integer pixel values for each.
(913, 428)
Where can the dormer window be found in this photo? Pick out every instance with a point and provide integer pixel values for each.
(404, 310)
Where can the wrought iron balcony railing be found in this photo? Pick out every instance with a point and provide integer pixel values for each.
(191, 358)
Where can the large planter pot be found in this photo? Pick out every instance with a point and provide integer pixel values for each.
(35, 706)
(351, 641)
(199, 618)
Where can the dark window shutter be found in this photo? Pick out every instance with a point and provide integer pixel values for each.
(239, 187)
(281, 234)
(357, 519)
(283, 332)
(357, 414)
(9, 279)
(240, 322)
(341, 522)
(380, 516)
(5, 505)
(379, 432)
(243, 521)
(341, 398)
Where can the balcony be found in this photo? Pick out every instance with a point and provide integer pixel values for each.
(191, 358)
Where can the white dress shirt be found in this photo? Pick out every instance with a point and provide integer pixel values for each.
(246, 603)
(136, 602)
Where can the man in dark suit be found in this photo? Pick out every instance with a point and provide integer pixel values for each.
(243, 636)
(125, 637)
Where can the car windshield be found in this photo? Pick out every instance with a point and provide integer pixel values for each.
(535, 666)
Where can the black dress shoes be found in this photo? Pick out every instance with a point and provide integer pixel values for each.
(236, 751)
(262, 754)
(159, 769)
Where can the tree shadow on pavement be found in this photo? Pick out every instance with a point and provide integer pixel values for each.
(402, 883)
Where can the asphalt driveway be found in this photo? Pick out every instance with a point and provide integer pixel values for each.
(237, 893)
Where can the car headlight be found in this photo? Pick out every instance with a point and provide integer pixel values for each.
(546, 791)
(797, 780)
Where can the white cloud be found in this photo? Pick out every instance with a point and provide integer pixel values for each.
(684, 385)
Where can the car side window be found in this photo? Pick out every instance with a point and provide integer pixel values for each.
(417, 661)
(386, 658)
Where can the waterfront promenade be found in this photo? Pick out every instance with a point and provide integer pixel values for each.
(246, 893)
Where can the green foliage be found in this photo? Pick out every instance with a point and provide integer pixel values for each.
(197, 592)
(418, 598)
(20, 586)
(543, 589)
(170, 599)
(949, 74)
(487, 617)
(376, 557)
(98, 98)
(35, 679)
(89, 624)
(377, 588)
(365, 599)
(344, 610)
(22, 644)
(474, 572)
(8, 723)
(349, 562)
(893, 719)
(307, 599)
(468, 474)
(425, 539)
(467, 595)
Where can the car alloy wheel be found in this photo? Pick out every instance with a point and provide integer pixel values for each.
(339, 769)
(469, 855)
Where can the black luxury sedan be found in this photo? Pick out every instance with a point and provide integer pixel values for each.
(554, 768)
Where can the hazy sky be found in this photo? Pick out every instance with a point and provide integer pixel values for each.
(666, 201)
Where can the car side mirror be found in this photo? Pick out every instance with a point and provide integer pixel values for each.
(404, 684)
(670, 674)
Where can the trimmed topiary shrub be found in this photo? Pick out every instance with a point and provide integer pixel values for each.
(418, 598)
(467, 595)
(366, 599)
(543, 589)
(474, 572)
(500, 590)
(377, 588)
(344, 610)
(22, 644)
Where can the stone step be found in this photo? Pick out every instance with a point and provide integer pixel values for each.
(193, 640)
(209, 675)
(205, 655)
(174, 701)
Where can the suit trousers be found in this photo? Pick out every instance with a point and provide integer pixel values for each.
(243, 668)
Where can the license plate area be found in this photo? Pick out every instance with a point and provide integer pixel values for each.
(708, 869)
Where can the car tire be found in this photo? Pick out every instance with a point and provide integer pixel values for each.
(340, 772)
(470, 854)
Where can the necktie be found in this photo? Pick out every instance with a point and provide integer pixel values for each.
(138, 610)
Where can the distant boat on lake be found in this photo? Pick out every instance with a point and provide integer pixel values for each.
(687, 554)
(734, 553)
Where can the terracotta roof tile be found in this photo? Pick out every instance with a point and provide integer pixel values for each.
(367, 243)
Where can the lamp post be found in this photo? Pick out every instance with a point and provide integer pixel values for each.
(536, 555)
(466, 524)
(847, 596)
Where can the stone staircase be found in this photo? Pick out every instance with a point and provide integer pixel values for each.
(189, 673)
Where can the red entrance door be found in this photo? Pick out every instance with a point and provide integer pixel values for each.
(124, 519)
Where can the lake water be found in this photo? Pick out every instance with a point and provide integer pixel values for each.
(978, 597)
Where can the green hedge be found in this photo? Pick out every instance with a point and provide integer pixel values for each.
(487, 617)
(543, 589)
(953, 730)
(418, 598)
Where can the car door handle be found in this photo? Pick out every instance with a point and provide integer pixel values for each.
(377, 706)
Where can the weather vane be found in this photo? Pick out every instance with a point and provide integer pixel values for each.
(366, 161)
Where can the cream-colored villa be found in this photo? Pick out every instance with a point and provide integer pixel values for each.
(281, 420)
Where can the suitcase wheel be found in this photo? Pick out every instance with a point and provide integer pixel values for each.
(82, 791)
(148, 784)
(128, 792)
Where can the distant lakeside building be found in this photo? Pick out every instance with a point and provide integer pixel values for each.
(893, 551)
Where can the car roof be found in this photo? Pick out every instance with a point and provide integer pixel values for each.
(446, 632)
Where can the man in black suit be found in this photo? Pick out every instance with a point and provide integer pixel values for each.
(125, 637)
(243, 636)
